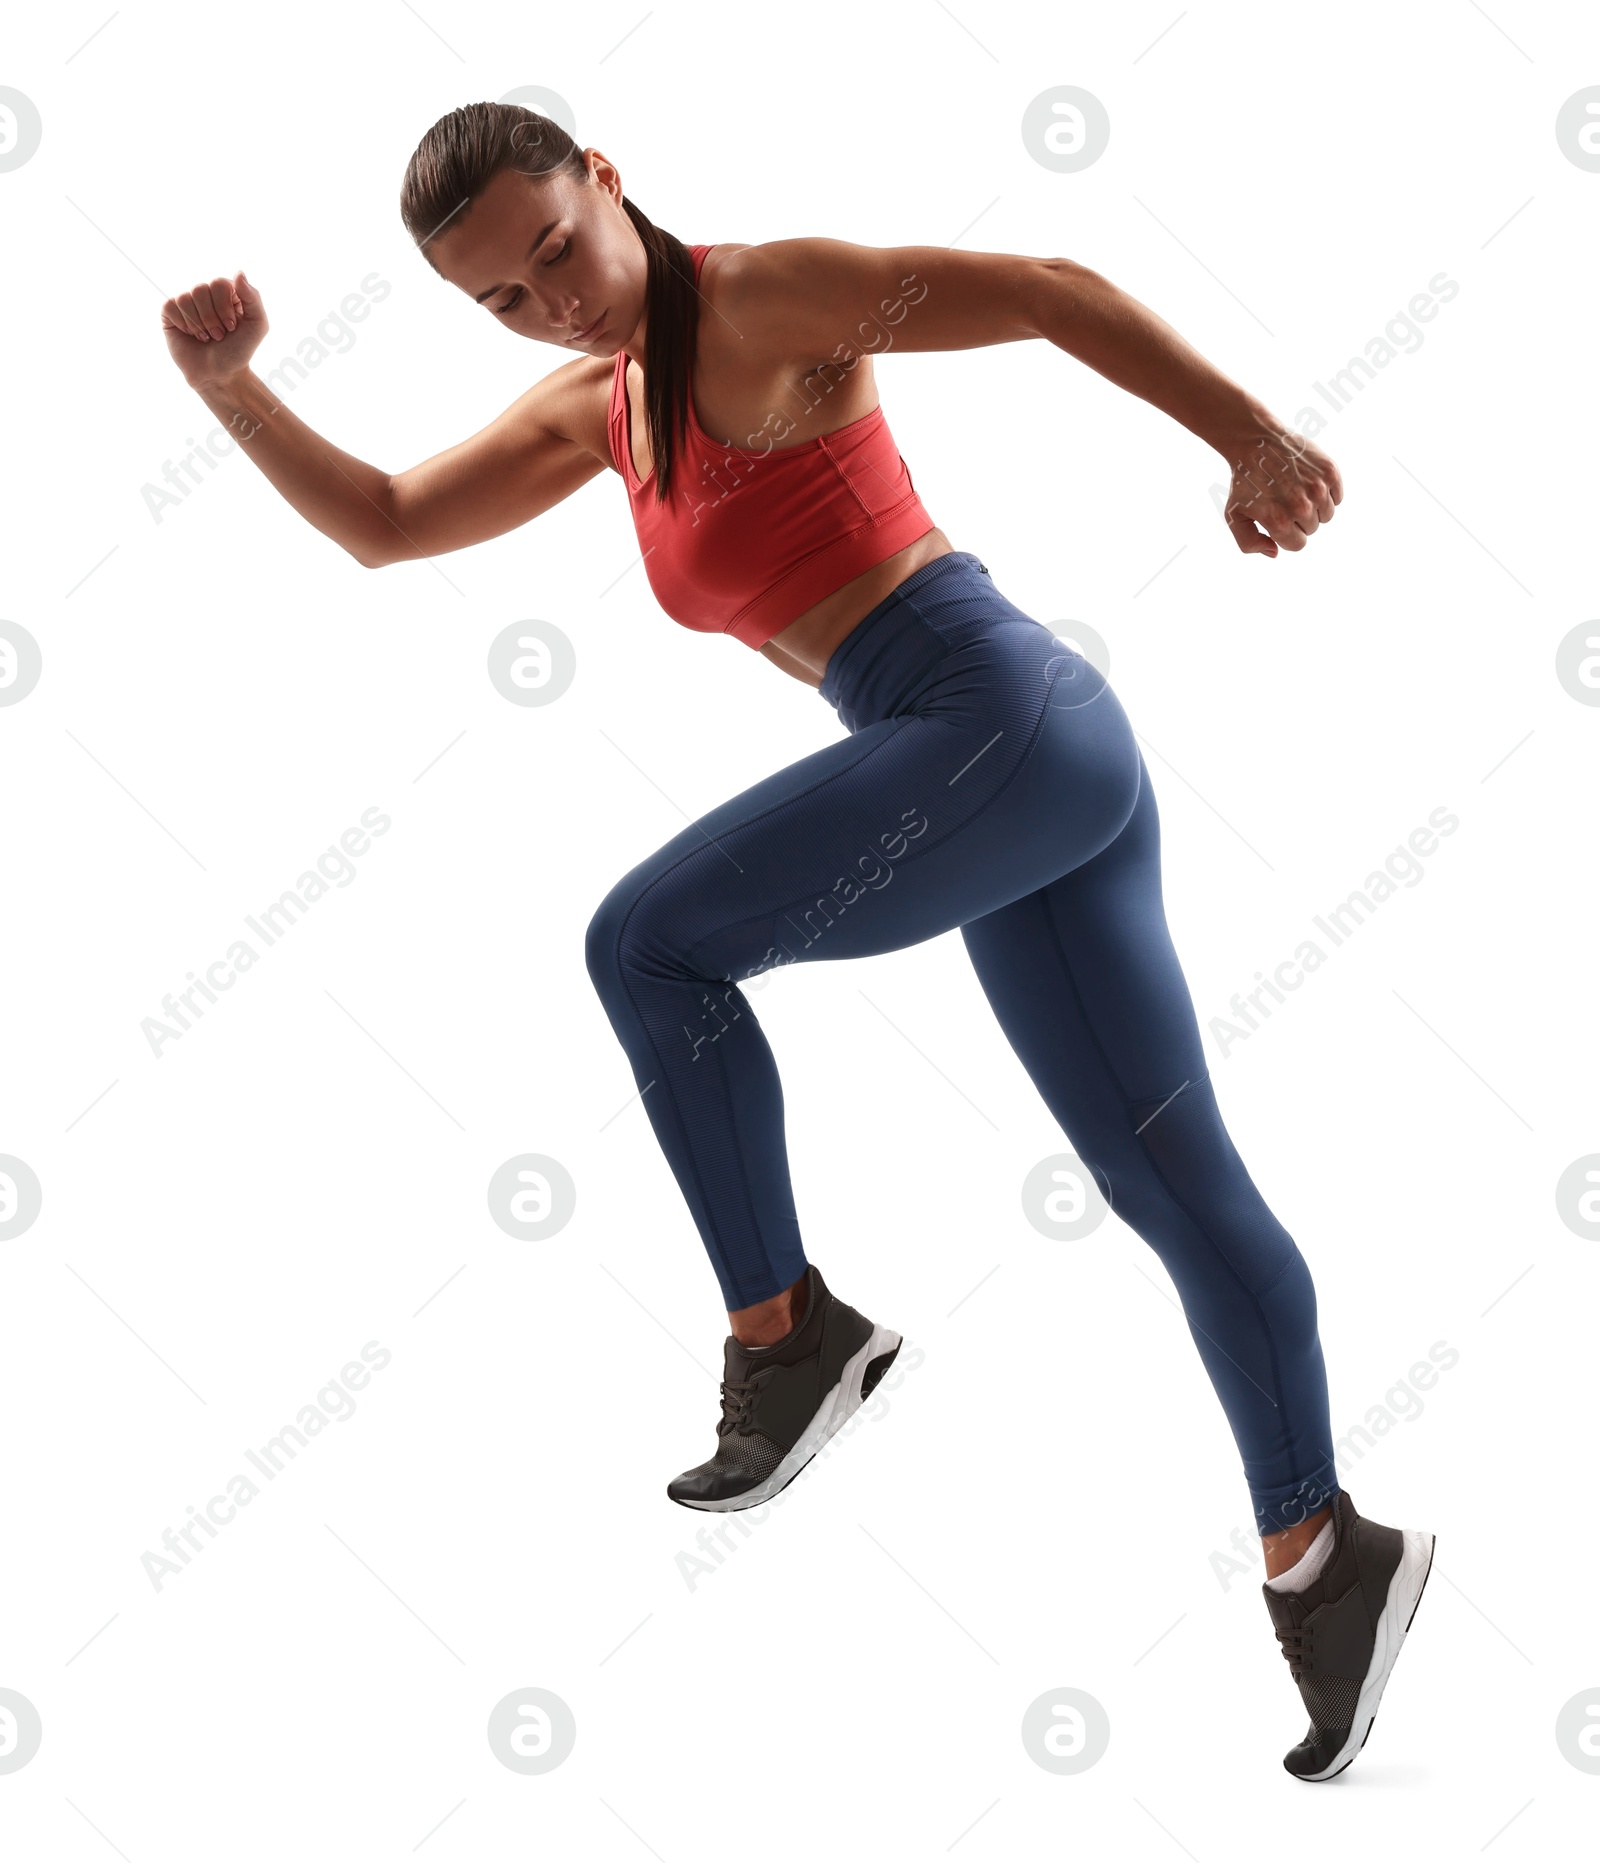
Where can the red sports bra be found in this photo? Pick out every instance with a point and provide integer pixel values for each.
(751, 537)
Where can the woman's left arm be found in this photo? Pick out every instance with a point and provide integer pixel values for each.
(1280, 480)
(828, 294)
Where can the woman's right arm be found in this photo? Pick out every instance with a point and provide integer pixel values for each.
(509, 472)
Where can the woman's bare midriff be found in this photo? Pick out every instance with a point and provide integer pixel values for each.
(806, 645)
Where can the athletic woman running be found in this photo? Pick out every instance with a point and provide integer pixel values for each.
(990, 779)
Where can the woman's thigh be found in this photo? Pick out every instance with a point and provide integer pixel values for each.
(1085, 981)
(997, 780)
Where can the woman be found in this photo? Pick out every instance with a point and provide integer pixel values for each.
(989, 780)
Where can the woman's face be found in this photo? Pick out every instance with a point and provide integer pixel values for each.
(551, 257)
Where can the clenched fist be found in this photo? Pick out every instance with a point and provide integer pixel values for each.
(1283, 483)
(213, 330)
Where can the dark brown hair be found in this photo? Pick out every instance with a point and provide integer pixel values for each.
(463, 152)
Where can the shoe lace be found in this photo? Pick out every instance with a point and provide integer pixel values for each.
(1295, 1642)
(738, 1405)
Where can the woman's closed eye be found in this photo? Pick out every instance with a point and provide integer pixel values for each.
(516, 297)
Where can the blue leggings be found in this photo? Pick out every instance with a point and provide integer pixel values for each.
(991, 781)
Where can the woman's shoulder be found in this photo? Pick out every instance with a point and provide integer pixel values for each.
(762, 346)
(576, 400)
(738, 268)
(784, 293)
(719, 265)
(756, 293)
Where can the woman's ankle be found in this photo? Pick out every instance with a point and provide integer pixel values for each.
(769, 1322)
(1282, 1550)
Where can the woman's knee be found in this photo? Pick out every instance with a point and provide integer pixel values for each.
(647, 926)
(610, 929)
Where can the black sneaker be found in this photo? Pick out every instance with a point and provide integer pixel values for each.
(781, 1403)
(1342, 1634)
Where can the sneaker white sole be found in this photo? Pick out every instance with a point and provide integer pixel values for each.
(837, 1408)
(1405, 1589)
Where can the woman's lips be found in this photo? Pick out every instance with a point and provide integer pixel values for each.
(588, 330)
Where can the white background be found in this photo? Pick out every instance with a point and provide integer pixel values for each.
(1040, 1501)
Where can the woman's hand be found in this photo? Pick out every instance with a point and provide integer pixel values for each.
(1282, 483)
(214, 329)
